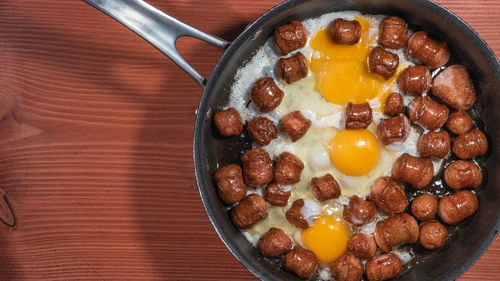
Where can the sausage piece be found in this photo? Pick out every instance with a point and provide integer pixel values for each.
(325, 187)
(434, 144)
(415, 80)
(290, 37)
(347, 268)
(383, 62)
(424, 206)
(293, 68)
(388, 195)
(262, 130)
(345, 31)
(274, 243)
(249, 211)
(433, 234)
(301, 261)
(257, 167)
(362, 246)
(394, 129)
(228, 122)
(295, 216)
(295, 125)
(277, 194)
(470, 145)
(393, 33)
(383, 267)
(396, 230)
(455, 208)
(359, 211)
(288, 169)
(230, 185)
(461, 174)
(455, 88)
(266, 95)
(413, 170)
(394, 104)
(459, 122)
(358, 116)
(432, 53)
(428, 113)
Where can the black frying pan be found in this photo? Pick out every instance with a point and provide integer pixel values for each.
(471, 238)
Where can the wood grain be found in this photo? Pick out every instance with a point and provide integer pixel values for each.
(95, 152)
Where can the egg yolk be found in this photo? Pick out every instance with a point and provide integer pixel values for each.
(327, 238)
(341, 71)
(354, 152)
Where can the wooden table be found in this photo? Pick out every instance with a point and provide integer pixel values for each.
(96, 136)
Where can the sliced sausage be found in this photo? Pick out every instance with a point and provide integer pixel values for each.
(455, 88)
(383, 267)
(301, 261)
(347, 268)
(290, 37)
(393, 33)
(277, 194)
(230, 185)
(275, 242)
(257, 167)
(359, 211)
(249, 211)
(382, 62)
(470, 145)
(325, 187)
(424, 206)
(428, 113)
(394, 104)
(294, 68)
(461, 174)
(415, 80)
(295, 125)
(228, 122)
(266, 95)
(396, 230)
(362, 246)
(434, 144)
(358, 116)
(432, 53)
(394, 129)
(388, 195)
(413, 170)
(288, 169)
(345, 31)
(459, 122)
(455, 208)
(294, 214)
(433, 234)
(262, 130)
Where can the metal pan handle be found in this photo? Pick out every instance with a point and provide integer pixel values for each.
(158, 28)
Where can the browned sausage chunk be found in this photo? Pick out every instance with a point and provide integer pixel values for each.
(293, 68)
(325, 187)
(230, 185)
(459, 122)
(415, 80)
(277, 194)
(266, 95)
(456, 207)
(455, 88)
(249, 211)
(424, 207)
(274, 243)
(262, 130)
(432, 234)
(393, 33)
(383, 267)
(294, 214)
(394, 104)
(413, 170)
(358, 116)
(288, 169)
(432, 53)
(461, 174)
(345, 31)
(434, 144)
(295, 125)
(362, 246)
(228, 122)
(394, 129)
(359, 211)
(428, 113)
(471, 144)
(383, 62)
(347, 268)
(290, 37)
(257, 167)
(388, 195)
(300, 261)
(396, 230)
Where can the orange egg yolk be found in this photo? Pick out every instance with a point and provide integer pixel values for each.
(341, 71)
(327, 238)
(354, 152)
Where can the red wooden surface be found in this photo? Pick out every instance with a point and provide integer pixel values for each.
(96, 134)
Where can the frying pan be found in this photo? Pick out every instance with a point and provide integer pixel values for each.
(470, 239)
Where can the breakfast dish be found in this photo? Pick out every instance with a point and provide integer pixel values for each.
(353, 118)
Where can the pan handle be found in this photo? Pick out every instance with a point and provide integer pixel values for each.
(158, 28)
